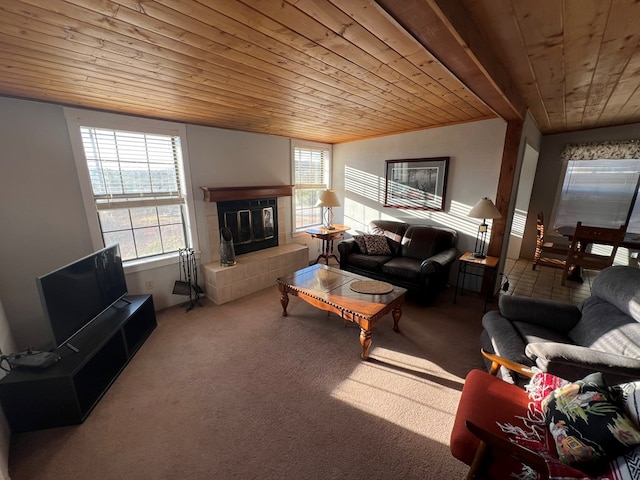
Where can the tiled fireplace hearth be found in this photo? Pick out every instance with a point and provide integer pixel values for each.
(254, 270)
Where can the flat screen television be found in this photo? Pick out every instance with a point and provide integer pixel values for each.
(74, 295)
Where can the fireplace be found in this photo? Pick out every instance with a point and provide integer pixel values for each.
(253, 223)
(252, 212)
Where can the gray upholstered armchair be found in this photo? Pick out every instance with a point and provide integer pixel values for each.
(602, 334)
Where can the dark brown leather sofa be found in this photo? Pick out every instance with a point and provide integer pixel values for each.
(420, 257)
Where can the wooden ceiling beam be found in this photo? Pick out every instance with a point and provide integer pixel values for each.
(445, 28)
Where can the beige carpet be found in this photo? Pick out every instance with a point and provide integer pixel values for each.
(239, 392)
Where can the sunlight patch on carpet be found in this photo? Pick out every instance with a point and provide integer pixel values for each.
(404, 390)
(410, 362)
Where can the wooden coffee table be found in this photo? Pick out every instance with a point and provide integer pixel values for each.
(328, 289)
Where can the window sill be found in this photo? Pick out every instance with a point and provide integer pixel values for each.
(133, 266)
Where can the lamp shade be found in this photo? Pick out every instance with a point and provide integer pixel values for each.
(484, 209)
(328, 198)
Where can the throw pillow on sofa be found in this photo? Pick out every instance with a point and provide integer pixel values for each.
(359, 239)
(377, 245)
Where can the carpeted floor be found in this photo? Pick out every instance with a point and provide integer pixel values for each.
(239, 392)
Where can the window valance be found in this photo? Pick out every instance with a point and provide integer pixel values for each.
(613, 150)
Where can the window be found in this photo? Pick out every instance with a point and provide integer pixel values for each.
(136, 187)
(311, 173)
(600, 186)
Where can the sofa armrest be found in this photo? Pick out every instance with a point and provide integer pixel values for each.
(573, 362)
(551, 314)
(345, 248)
(436, 262)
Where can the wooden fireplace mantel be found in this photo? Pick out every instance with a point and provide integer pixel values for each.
(223, 194)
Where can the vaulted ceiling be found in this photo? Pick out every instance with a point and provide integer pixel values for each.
(329, 70)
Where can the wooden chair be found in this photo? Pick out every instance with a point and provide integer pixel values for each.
(475, 438)
(545, 248)
(585, 236)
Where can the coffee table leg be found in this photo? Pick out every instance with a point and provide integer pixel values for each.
(284, 300)
(365, 341)
(397, 313)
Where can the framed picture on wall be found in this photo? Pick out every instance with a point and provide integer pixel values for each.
(418, 183)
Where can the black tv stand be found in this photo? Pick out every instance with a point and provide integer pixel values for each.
(66, 392)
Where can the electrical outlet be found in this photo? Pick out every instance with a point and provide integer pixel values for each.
(149, 284)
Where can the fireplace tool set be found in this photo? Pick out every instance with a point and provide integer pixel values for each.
(188, 283)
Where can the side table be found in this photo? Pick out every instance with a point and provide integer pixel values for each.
(327, 236)
(479, 267)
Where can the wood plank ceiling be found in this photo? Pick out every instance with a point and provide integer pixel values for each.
(576, 62)
(328, 70)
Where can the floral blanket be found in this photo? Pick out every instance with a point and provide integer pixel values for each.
(531, 431)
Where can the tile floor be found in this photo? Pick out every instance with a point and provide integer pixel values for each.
(546, 282)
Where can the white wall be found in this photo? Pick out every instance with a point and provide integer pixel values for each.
(6, 345)
(523, 197)
(41, 210)
(43, 214)
(475, 151)
(227, 158)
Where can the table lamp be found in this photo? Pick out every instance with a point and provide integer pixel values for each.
(328, 199)
(483, 209)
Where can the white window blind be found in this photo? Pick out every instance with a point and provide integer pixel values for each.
(138, 190)
(601, 193)
(311, 175)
